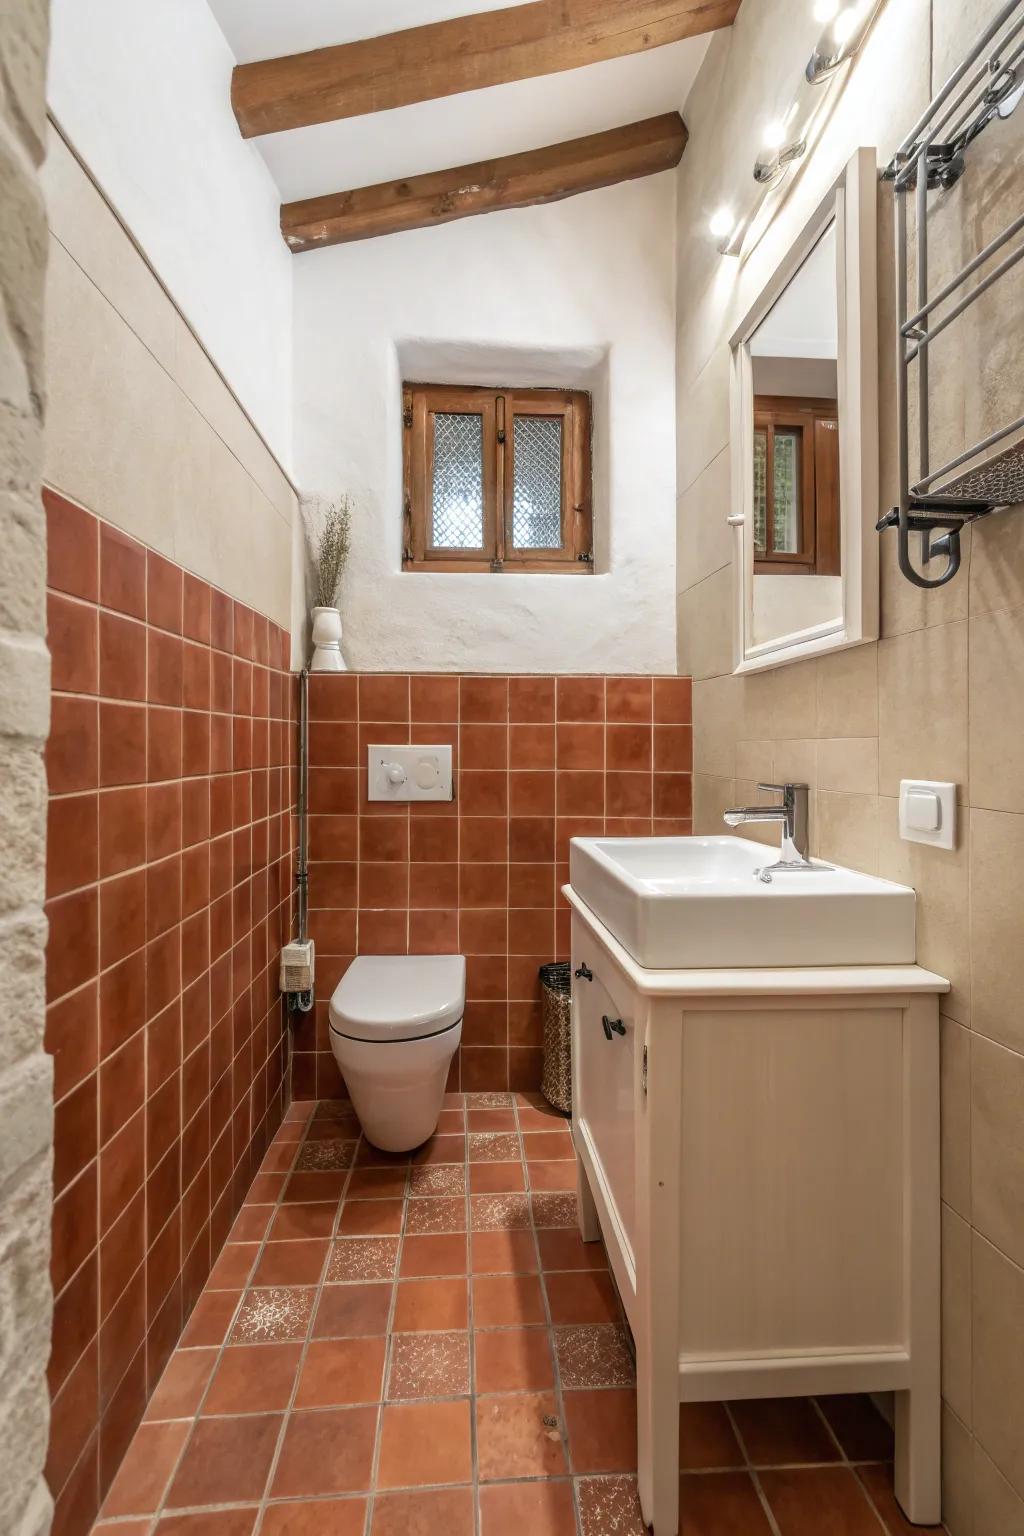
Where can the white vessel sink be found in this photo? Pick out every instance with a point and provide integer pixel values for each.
(680, 903)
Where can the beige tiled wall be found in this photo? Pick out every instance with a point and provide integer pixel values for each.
(141, 429)
(938, 696)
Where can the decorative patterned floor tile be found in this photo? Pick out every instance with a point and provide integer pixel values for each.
(279, 1313)
(436, 1214)
(494, 1147)
(439, 1179)
(429, 1365)
(363, 1258)
(326, 1154)
(554, 1210)
(489, 1101)
(596, 1356)
(492, 1213)
(609, 1506)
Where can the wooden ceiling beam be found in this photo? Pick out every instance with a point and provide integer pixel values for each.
(466, 53)
(513, 181)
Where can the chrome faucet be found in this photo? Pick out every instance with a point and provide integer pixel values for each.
(792, 817)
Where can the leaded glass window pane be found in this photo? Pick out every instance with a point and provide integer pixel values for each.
(760, 494)
(786, 492)
(458, 490)
(537, 483)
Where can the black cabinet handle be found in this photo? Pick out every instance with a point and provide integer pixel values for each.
(612, 1026)
(583, 972)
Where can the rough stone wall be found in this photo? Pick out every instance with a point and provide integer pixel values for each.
(26, 1115)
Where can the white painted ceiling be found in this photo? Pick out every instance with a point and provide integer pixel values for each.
(432, 135)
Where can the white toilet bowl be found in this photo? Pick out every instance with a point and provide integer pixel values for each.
(396, 1023)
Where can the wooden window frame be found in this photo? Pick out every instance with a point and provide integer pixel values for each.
(819, 541)
(499, 409)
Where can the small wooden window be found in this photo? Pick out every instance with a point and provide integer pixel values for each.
(496, 479)
(796, 486)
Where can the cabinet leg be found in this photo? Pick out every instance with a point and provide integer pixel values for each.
(918, 1456)
(658, 1449)
(590, 1227)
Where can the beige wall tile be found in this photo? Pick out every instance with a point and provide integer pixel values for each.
(997, 563)
(998, 1511)
(997, 710)
(849, 763)
(755, 760)
(922, 707)
(717, 721)
(706, 626)
(955, 1088)
(956, 1314)
(848, 692)
(703, 426)
(998, 1336)
(705, 542)
(957, 1476)
(845, 830)
(940, 876)
(997, 1146)
(711, 797)
(793, 695)
(795, 762)
(997, 926)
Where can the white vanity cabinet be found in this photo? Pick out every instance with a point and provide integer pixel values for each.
(760, 1151)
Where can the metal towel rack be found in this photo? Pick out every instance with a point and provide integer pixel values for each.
(985, 87)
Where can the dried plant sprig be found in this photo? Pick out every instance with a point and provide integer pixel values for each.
(332, 550)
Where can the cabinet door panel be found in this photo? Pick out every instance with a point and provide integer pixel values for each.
(603, 1068)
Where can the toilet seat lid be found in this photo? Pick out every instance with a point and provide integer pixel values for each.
(399, 997)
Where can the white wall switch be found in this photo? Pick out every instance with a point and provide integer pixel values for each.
(928, 812)
(409, 773)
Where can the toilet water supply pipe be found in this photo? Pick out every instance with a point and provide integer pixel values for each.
(303, 1000)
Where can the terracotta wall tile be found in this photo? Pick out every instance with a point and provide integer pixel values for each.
(168, 1068)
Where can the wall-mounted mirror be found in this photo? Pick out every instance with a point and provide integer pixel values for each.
(805, 439)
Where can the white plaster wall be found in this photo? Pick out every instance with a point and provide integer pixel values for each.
(142, 90)
(583, 288)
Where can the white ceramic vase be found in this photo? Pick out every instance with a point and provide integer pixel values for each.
(327, 655)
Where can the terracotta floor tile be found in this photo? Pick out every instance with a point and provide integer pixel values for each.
(492, 1100)
(316, 1184)
(226, 1461)
(513, 1439)
(433, 1512)
(499, 1213)
(323, 1153)
(535, 1118)
(423, 1444)
(363, 1258)
(496, 1178)
(593, 1355)
(278, 1315)
(212, 1522)
(366, 1218)
(819, 1501)
(251, 1223)
(554, 1210)
(507, 1301)
(430, 1304)
(378, 1183)
(233, 1267)
(494, 1147)
(542, 1509)
(368, 1156)
(438, 1179)
(777, 1431)
(339, 1372)
(720, 1504)
(513, 1359)
(330, 1451)
(315, 1517)
(706, 1438)
(858, 1426)
(292, 1263)
(877, 1479)
(443, 1254)
(441, 1149)
(602, 1430)
(547, 1146)
(352, 1311)
(211, 1318)
(584, 1296)
(253, 1378)
(435, 1213)
(563, 1248)
(451, 1122)
(428, 1365)
(496, 1253)
(491, 1120)
(123, 1527)
(182, 1384)
(142, 1476)
(609, 1504)
(295, 1221)
(551, 1176)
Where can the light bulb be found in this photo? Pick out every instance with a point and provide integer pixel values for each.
(846, 24)
(774, 135)
(825, 11)
(721, 223)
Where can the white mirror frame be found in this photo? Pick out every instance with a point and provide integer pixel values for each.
(852, 204)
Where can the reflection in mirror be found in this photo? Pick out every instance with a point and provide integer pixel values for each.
(794, 369)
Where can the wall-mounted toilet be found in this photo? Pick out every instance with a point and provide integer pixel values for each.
(396, 1023)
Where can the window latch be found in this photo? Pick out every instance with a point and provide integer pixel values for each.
(407, 416)
(497, 565)
(586, 558)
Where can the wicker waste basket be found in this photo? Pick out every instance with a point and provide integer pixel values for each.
(556, 1079)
